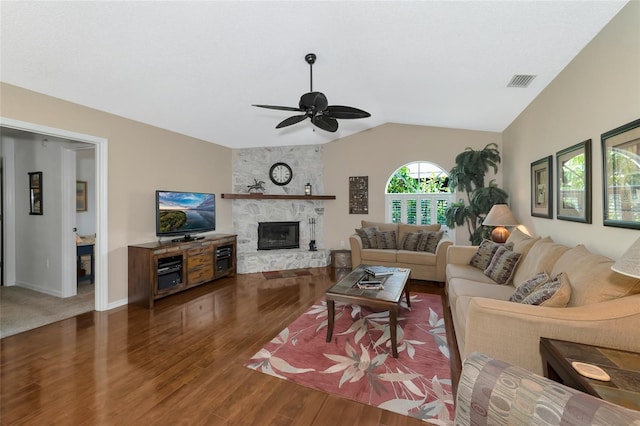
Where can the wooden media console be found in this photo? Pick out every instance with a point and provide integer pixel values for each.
(159, 269)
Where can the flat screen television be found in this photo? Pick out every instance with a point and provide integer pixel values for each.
(184, 214)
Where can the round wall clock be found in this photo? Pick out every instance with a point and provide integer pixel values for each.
(280, 174)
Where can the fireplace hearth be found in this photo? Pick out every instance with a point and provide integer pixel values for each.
(278, 235)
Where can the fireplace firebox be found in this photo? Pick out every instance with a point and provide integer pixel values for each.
(278, 235)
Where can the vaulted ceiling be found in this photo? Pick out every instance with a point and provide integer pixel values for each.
(197, 67)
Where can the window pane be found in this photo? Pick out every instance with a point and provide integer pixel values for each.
(411, 211)
(425, 211)
(396, 211)
(418, 178)
(442, 207)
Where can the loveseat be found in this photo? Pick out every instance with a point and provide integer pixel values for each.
(421, 248)
(493, 392)
(592, 304)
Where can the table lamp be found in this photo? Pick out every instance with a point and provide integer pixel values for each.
(500, 216)
(629, 263)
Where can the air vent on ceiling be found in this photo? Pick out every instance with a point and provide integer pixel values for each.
(521, 80)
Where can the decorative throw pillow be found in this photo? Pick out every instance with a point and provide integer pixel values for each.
(553, 294)
(422, 241)
(368, 237)
(502, 265)
(431, 240)
(425, 238)
(404, 228)
(410, 240)
(527, 287)
(483, 255)
(386, 239)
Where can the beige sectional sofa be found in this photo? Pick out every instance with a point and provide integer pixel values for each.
(603, 307)
(424, 265)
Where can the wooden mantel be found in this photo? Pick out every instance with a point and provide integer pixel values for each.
(277, 197)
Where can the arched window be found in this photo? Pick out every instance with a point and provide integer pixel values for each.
(418, 193)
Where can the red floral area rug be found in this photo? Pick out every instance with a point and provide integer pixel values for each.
(272, 275)
(357, 364)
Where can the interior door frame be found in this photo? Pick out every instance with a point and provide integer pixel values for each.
(101, 244)
(8, 216)
(1, 219)
(68, 245)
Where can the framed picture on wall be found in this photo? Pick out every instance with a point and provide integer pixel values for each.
(574, 183)
(358, 194)
(541, 188)
(621, 176)
(35, 193)
(81, 196)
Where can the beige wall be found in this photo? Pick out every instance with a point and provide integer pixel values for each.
(142, 159)
(598, 91)
(377, 153)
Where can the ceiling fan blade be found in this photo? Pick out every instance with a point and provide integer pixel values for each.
(291, 120)
(345, 112)
(325, 123)
(283, 108)
(316, 100)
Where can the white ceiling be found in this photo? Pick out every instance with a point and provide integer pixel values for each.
(197, 67)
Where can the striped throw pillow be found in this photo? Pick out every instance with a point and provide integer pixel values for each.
(502, 265)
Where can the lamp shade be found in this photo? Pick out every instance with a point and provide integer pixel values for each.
(500, 215)
(629, 263)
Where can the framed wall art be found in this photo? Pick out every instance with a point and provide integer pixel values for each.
(574, 183)
(81, 196)
(359, 195)
(621, 176)
(35, 193)
(541, 188)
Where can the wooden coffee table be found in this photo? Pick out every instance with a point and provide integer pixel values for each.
(388, 299)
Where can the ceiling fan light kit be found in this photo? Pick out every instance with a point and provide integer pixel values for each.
(315, 106)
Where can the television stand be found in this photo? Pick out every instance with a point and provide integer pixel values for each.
(160, 269)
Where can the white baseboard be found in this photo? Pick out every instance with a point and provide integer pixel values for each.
(39, 289)
(117, 304)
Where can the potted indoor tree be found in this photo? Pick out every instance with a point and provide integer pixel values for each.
(468, 176)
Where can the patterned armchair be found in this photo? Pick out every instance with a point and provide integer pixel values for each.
(493, 392)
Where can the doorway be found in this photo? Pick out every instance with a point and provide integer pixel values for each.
(8, 224)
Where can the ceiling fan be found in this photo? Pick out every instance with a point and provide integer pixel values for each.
(315, 106)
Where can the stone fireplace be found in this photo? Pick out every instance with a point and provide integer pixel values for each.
(252, 164)
(278, 235)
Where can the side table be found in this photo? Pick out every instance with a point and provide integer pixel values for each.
(340, 263)
(623, 367)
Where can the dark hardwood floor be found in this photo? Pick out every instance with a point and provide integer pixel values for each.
(179, 363)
